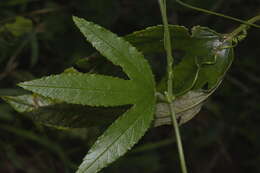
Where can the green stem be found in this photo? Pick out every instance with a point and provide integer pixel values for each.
(217, 14)
(168, 47)
(169, 94)
(178, 139)
(242, 27)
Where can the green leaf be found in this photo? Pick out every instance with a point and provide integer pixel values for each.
(210, 75)
(150, 40)
(203, 44)
(85, 89)
(99, 90)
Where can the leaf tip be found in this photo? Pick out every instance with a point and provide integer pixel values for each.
(21, 84)
(77, 20)
(4, 98)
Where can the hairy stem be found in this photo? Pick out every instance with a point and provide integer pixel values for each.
(169, 94)
(217, 14)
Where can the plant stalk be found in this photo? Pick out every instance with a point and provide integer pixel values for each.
(178, 140)
(168, 48)
(169, 94)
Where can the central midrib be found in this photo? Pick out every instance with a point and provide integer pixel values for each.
(79, 88)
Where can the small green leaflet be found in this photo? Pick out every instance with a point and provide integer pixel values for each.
(100, 90)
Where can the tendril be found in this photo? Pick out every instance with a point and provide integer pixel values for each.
(217, 14)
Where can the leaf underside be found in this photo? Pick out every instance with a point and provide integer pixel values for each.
(186, 107)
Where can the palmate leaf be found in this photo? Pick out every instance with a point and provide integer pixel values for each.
(99, 90)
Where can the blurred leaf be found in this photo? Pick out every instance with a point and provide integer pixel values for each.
(20, 26)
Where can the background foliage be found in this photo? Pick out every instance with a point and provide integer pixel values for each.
(38, 38)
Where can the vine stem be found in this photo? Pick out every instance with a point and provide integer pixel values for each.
(169, 94)
(242, 27)
(217, 14)
(168, 48)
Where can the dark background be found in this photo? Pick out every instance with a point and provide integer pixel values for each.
(223, 137)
